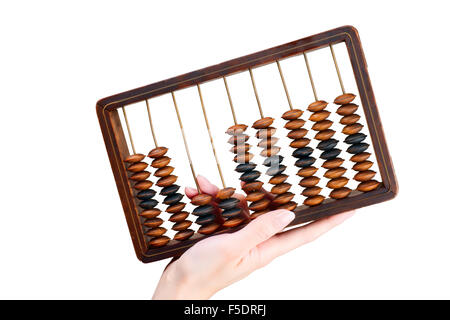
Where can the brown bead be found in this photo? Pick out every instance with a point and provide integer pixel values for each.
(159, 241)
(252, 186)
(265, 133)
(360, 157)
(134, 158)
(317, 106)
(362, 166)
(166, 181)
(180, 216)
(259, 205)
(160, 162)
(307, 172)
(270, 152)
(364, 175)
(311, 192)
(255, 196)
(352, 128)
(324, 135)
(240, 148)
(288, 206)
(238, 139)
(225, 193)
(158, 152)
(347, 109)
(350, 119)
(292, 114)
(152, 223)
(175, 208)
(335, 173)
(150, 214)
(319, 116)
(183, 235)
(164, 171)
(279, 178)
(314, 201)
(143, 185)
(281, 188)
(344, 98)
(337, 183)
(156, 232)
(294, 124)
(209, 228)
(256, 214)
(283, 198)
(201, 199)
(236, 129)
(322, 125)
(340, 193)
(182, 225)
(368, 185)
(267, 143)
(263, 123)
(243, 158)
(300, 143)
(137, 167)
(333, 163)
(233, 222)
(309, 181)
(140, 176)
(297, 134)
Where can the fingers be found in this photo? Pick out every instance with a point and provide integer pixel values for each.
(205, 187)
(261, 229)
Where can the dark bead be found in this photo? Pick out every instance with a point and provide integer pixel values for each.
(276, 170)
(169, 190)
(330, 154)
(148, 204)
(327, 144)
(305, 162)
(202, 220)
(273, 160)
(250, 176)
(231, 213)
(243, 167)
(355, 138)
(146, 194)
(302, 152)
(173, 198)
(228, 203)
(357, 148)
(203, 210)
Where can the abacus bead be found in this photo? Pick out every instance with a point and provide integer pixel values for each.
(204, 210)
(159, 241)
(256, 214)
(302, 152)
(238, 139)
(319, 116)
(243, 158)
(347, 109)
(352, 128)
(173, 198)
(148, 204)
(294, 124)
(330, 154)
(156, 232)
(183, 235)
(166, 181)
(270, 152)
(134, 158)
(231, 213)
(201, 199)
(276, 170)
(283, 198)
(340, 193)
(288, 206)
(273, 160)
(182, 225)
(335, 173)
(281, 188)
(233, 222)
(259, 205)
(160, 162)
(305, 162)
(350, 119)
(151, 213)
(278, 179)
(300, 143)
(202, 220)
(180, 216)
(322, 125)
(325, 134)
(152, 223)
(360, 157)
(333, 163)
(307, 172)
(362, 166)
(309, 182)
(240, 148)
(255, 196)
(236, 129)
(177, 207)
(146, 194)
(357, 148)
(263, 123)
(344, 98)
(267, 143)
(314, 201)
(252, 186)
(137, 167)
(327, 144)
(311, 191)
(250, 176)
(140, 176)
(364, 175)
(317, 106)
(297, 134)
(164, 172)
(337, 183)
(265, 133)
(143, 185)
(355, 138)
(208, 229)
(368, 185)
(225, 193)
(228, 203)
(243, 167)
(157, 152)
(169, 190)
(292, 114)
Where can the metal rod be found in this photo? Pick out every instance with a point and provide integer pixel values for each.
(229, 100)
(128, 129)
(337, 69)
(210, 136)
(256, 93)
(151, 124)
(310, 76)
(284, 85)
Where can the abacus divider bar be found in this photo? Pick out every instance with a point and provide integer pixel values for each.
(284, 84)
(128, 129)
(310, 76)
(151, 123)
(256, 92)
(229, 99)
(185, 142)
(210, 135)
(337, 69)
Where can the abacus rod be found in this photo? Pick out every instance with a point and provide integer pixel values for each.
(185, 142)
(229, 100)
(151, 123)
(310, 76)
(256, 92)
(284, 84)
(337, 69)
(210, 136)
(128, 129)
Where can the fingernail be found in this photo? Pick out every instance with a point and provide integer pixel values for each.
(285, 216)
(190, 190)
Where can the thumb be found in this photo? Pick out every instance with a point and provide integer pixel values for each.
(262, 228)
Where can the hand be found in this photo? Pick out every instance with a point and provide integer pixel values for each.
(216, 262)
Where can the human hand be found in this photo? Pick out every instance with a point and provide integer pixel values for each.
(216, 262)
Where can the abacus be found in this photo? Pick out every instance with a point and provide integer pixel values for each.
(314, 145)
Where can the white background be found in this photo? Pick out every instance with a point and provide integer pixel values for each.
(62, 229)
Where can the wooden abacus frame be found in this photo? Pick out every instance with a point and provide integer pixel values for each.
(116, 145)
